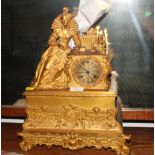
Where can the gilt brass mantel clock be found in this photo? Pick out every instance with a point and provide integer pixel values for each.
(71, 101)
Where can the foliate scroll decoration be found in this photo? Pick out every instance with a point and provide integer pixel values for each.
(74, 141)
(71, 117)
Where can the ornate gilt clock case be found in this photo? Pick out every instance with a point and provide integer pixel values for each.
(74, 118)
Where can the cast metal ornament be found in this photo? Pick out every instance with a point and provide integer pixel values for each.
(53, 69)
(57, 116)
(50, 72)
(72, 117)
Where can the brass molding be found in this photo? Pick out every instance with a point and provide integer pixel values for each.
(69, 93)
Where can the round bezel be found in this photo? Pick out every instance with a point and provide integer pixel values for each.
(88, 67)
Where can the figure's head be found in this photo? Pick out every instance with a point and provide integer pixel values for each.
(65, 10)
(65, 16)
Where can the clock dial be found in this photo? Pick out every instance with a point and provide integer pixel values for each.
(87, 71)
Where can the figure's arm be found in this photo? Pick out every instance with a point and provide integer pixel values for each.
(51, 42)
(77, 41)
(52, 39)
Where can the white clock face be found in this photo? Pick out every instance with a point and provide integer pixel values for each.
(87, 71)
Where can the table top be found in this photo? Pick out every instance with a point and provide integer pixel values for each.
(142, 143)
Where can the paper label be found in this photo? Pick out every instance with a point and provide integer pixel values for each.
(76, 89)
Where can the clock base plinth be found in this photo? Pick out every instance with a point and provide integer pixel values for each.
(73, 120)
(75, 140)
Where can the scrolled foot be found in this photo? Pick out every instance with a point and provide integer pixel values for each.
(24, 146)
(125, 150)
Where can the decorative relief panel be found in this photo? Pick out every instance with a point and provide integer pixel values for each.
(71, 117)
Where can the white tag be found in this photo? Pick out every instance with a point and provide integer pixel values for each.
(76, 89)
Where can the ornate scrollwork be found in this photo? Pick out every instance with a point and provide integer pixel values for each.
(74, 140)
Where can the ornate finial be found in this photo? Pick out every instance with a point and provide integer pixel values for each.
(106, 40)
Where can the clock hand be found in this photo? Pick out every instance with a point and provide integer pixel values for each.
(87, 78)
(88, 75)
(91, 76)
(84, 68)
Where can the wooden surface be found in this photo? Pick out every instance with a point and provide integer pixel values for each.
(137, 114)
(127, 113)
(141, 143)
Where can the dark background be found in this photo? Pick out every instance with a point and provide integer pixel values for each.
(26, 28)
